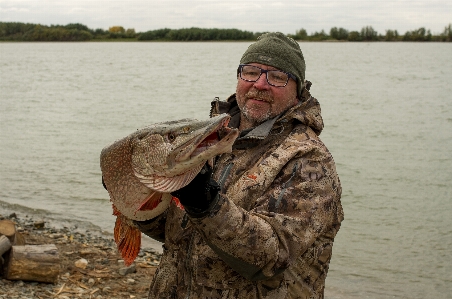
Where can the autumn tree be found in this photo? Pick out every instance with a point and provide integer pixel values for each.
(117, 29)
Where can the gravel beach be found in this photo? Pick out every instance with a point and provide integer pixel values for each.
(90, 265)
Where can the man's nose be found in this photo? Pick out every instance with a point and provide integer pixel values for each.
(262, 83)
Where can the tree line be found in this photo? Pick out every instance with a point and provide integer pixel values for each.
(197, 34)
(369, 34)
(10, 31)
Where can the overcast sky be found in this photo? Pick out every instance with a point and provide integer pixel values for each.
(251, 15)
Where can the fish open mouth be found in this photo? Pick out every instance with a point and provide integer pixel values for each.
(212, 137)
(209, 141)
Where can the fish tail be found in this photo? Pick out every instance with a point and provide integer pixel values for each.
(127, 238)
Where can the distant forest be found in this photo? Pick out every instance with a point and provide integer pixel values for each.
(10, 31)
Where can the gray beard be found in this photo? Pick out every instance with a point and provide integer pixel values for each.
(246, 112)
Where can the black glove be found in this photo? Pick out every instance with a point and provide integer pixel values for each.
(200, 192)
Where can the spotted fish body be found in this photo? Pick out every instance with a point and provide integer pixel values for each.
(140, 170)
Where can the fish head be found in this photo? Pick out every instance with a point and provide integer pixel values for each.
(166, 156)
(142, 169)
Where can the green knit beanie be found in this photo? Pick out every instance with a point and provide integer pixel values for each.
(279, 51)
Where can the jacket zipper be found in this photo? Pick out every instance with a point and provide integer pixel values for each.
(221, 181)
(225, 174)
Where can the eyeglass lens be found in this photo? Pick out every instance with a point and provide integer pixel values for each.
(252, 73)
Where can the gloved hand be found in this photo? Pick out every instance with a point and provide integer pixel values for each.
(200, 192)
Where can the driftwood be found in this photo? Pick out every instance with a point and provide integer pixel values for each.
(33, 263)
(5, 244)
(8, 229)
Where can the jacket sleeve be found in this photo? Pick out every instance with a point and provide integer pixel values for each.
(154, 228)
(300, 206)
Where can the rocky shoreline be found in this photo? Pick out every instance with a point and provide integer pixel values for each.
(90, 265)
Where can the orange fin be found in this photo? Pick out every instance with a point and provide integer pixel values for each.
(151, 201)
(115, 210)
(127, 238)
(177, 202)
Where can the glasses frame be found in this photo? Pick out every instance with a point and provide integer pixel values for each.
(289, 75)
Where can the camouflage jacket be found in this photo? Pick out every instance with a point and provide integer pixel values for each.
(270, 232)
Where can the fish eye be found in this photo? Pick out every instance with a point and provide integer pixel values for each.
(171, 137)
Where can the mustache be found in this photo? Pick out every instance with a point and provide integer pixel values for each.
(259, 94)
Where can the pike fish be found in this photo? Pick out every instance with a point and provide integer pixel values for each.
(140, 170)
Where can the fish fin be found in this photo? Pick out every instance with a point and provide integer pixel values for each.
(170, 184)
(178, 203)
(151, 202)
(116, 212)
(211, 162)
(127, 238)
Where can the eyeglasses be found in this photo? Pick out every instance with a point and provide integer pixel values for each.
(252, 73)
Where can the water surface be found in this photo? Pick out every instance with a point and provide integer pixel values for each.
(388, 123)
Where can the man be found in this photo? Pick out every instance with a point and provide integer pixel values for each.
(261, 224)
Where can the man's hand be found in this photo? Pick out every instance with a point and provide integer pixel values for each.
(200, 192)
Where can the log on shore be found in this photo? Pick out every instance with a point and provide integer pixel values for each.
(8, 229)
(5, 245)
(33, 263)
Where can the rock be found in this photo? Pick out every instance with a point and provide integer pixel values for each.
(79, 290)
(81, 263)
(39, 224)
(127, 270)
(86, 251)
(56, 236)
(130, 281)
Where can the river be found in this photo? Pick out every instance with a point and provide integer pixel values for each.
(388, 123)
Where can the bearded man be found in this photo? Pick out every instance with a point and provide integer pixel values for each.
(262, 222)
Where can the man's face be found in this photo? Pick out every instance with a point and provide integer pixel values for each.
(258, 101)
